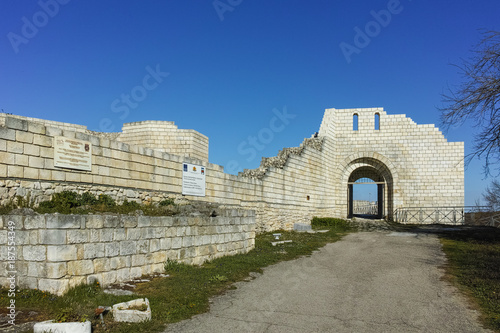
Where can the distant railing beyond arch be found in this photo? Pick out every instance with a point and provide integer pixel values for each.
(470, 215)
(366, 209)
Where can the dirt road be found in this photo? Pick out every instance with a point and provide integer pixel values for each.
(367, 282)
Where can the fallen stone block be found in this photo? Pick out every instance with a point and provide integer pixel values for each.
(281, 242)
(301, 227)
(74, 327)
(134, 311)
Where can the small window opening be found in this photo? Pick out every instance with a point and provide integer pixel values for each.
(377, 121)
(355, 122)
(308, 197)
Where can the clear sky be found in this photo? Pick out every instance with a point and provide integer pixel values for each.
(224, 68)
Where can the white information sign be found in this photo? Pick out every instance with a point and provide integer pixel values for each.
(193, 179)
(72, 153)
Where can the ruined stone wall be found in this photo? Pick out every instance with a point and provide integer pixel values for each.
(294, 186)
(166, 137)
(146, 175)
(417, 165)
(423, 168)
(54, 252)
(44, 122)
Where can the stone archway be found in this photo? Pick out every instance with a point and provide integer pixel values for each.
(373, 166)
(370, 173)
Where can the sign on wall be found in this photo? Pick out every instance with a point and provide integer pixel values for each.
(193, 179)
(72, 153)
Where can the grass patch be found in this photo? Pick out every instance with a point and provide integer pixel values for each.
(69, 202)
(185, 293)
(327, 222)
(474, 265)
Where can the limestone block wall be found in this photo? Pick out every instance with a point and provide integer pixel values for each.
(427, 170)
(166, 137)
(55, 252)
(161, 135)
(58, 124)
(418, 165)
(294, 186)
(145, 175)
(27, 164)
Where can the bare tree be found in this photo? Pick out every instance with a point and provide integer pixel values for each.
(478, 99)
(492, 195)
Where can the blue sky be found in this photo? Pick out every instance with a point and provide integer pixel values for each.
(222, 67)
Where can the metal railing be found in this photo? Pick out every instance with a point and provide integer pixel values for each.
(491, 219)
(366, 209)
(441, 215)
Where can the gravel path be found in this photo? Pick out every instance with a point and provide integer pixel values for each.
(367, 282)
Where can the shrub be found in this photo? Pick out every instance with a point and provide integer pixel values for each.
(131, 205)
(172, 266)
(5, 209)
(68, 202)
(63, 202)
(87, 199)
(106, 200)
(167, 202)
(330, 222)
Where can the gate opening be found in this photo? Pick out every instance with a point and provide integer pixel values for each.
(366, 194)
(365, 200)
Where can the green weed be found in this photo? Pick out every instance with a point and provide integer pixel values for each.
(218, 278)
(185, 293)
(474, 265)
(172, 266)
(69, 202)
(320, 222)
(167, 202)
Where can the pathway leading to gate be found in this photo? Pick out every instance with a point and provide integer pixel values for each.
(367, 282)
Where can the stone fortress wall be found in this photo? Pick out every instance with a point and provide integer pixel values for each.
(50, 123)
(56, 252)
(143, 174)
(417, 165)
(166, 137)
(414, 166)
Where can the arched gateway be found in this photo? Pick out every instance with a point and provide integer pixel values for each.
(412, 165)
(369, 167)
